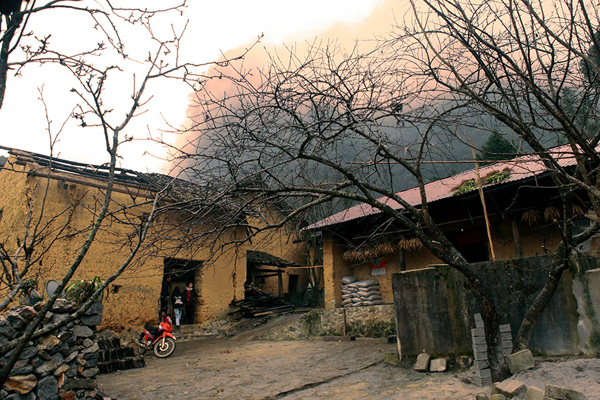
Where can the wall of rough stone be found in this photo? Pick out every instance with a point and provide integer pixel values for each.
(371, 321)
(434, 307)
(63, 364)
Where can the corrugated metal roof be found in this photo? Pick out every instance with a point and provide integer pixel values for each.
(520, 168)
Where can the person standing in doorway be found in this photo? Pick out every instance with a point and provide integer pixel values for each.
(164, 297)
(177, 300)
(189, 298)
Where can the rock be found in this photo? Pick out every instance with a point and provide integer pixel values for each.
(6, 328)
(28, 353)
(64, 306)
(43, 355)
(49, 366)
(21, 384)
(67, 395)
(422, 364)
(17, 396)
(561, 393)
(498, 397)
(520, 361)
(92, 349)
(82, 331)
(95, 309)
(90, 372)
(78, 383)
(71, 357)
(15, 320)
(509, 388)
(27, 312)
(56, 318)
(91, 320)
(534, 393)
(21, 367)
(48, 342)
(61, 369)
(64, 336)
(438, 365)
(87, 343)
(392, 359)
(481, 396)
(47, 388)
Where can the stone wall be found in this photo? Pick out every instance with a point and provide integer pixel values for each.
(63, 364)
(434, 307)
(370, 321)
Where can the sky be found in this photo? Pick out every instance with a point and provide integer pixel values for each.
(214, 28)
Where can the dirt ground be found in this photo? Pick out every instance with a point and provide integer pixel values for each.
(240, 368)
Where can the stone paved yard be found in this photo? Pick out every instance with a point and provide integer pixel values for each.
(304, 369)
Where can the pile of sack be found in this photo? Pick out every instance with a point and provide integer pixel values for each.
(357, 293)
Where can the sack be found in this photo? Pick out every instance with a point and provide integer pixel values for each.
(346, 302)
(374, 297)
(348, 279)
(367, 283)
(376, 302)
(346, 296)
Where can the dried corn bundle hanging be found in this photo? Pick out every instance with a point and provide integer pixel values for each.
(551, 213)
(410, 244)
(531, 217)
(384, 249)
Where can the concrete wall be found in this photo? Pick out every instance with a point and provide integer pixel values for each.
(434, 307)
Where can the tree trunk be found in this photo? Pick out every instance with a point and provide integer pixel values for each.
(534, 313)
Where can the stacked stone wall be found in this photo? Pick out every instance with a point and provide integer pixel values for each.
(368, 321)
(61, 365)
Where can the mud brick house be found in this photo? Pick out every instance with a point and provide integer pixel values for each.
(179, 244)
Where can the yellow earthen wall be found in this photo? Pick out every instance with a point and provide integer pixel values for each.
(220, 280)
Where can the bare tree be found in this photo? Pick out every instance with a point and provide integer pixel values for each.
(92, 70)
(335, 124)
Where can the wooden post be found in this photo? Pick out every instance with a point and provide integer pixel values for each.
(345, 332)
(487, 221)
(279, 284)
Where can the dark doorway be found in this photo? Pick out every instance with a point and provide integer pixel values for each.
(471, 244)
(181, 272)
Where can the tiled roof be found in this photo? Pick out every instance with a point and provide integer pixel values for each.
(520, 168)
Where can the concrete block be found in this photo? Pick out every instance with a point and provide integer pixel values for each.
(520, 361)
(484, 373)
(507, 344)
(479, 348)
(506, 336)
(479, 340)
(478, 320)
(481, 364)
(561, 393)
(534, 393)
(481, 382)
(505, 328)
(438, 365)
(506, 352)
(509, 388)
(481, 356)
(477, 332)
(422, 364)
